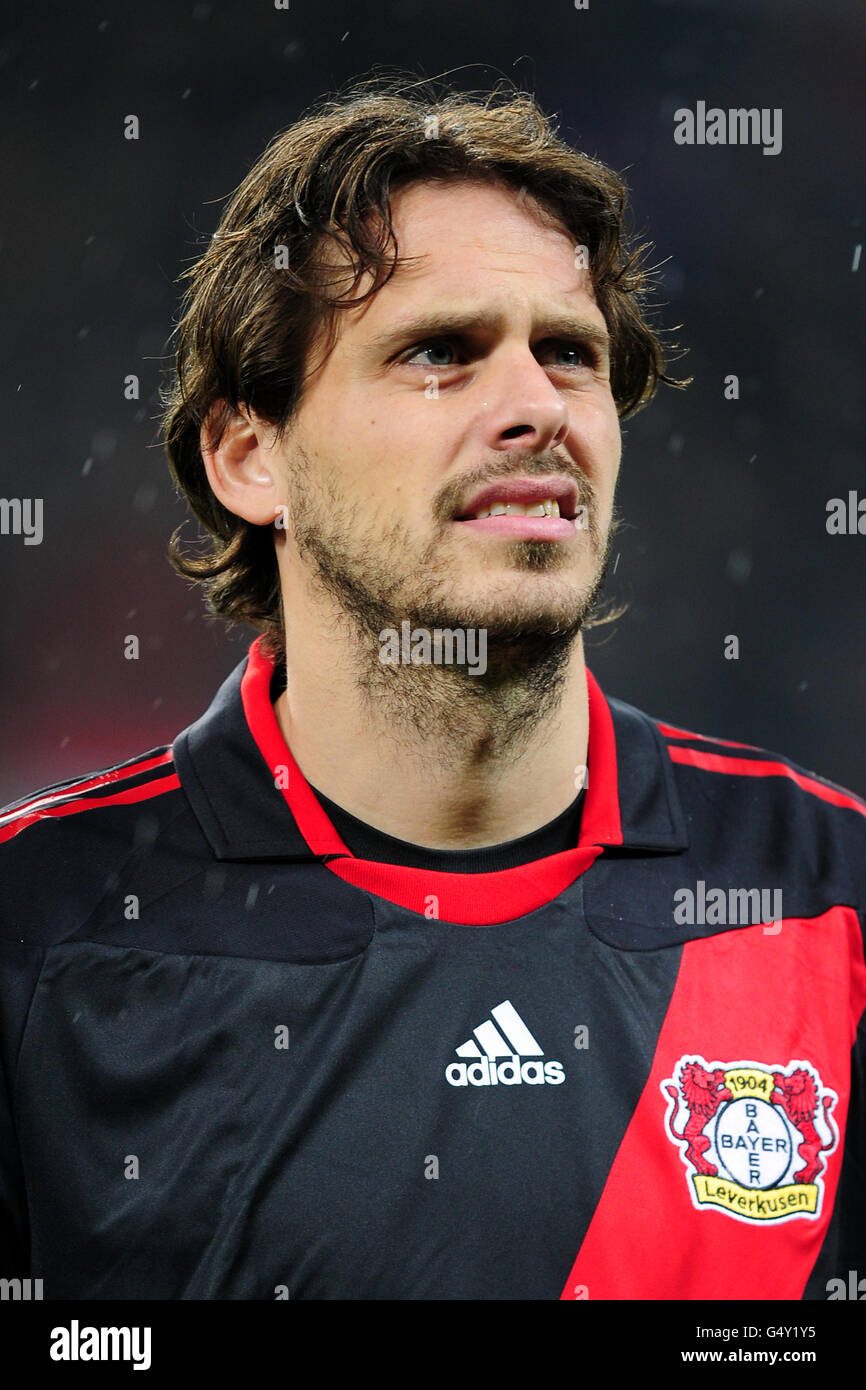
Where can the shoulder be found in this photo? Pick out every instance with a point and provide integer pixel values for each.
(727, 766)
(60, 846)
(142, 778)
(736, 816)
(768, 810)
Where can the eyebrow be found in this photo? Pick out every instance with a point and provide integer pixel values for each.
(441, 324)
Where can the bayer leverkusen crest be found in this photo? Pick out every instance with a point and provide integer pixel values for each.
(753, 1136)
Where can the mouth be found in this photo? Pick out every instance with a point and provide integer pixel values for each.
(526, 509)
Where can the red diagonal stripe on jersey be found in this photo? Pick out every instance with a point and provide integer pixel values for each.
(119, 774)
(741, 996)
(70, 808)
(743, 767)
(671, 731)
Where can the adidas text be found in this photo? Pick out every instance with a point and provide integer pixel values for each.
(511, 1072)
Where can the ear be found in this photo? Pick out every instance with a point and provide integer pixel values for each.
(244, 469)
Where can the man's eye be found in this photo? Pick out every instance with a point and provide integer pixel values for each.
(438, 351)
(573, 354)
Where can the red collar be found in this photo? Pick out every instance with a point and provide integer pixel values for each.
(474, 899)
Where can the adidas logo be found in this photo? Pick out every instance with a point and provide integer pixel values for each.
(510, 1040)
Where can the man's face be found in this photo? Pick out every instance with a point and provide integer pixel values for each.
(476, 379)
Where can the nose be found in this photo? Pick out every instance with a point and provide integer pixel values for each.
(523, 410)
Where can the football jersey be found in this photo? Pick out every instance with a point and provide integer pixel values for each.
(240, 1062)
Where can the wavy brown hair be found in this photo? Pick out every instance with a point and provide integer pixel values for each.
(266, 288)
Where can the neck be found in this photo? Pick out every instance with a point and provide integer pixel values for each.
(435, 755)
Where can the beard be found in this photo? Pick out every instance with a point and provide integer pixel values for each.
(379, 578)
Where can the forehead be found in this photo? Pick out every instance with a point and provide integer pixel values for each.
(476, 242)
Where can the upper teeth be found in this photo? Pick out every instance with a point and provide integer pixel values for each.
(549, 507)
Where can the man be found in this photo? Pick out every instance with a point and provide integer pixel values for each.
(417, 968)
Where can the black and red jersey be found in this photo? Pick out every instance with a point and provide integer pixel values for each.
(241, 1062)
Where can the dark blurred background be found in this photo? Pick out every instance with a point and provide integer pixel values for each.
(725, 500)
